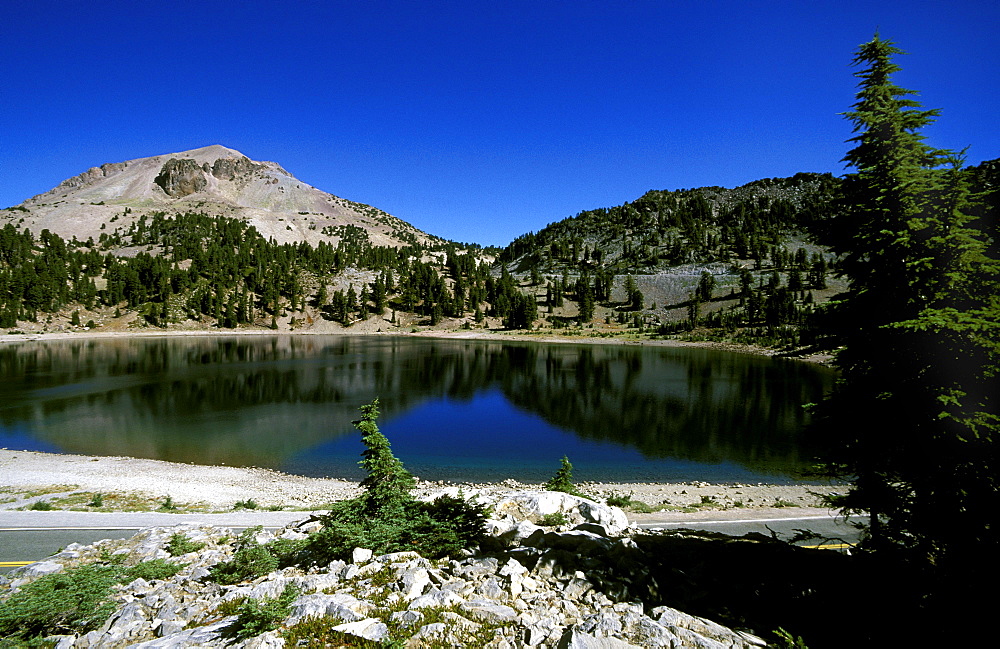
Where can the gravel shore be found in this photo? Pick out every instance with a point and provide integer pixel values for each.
(71, 481)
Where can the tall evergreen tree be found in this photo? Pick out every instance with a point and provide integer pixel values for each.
(913, 418)
(387, 487)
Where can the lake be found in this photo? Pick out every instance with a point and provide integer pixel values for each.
(452, 409)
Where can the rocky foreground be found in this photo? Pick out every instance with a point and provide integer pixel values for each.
(570, 585)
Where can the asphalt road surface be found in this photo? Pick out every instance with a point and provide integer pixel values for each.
(27, 536)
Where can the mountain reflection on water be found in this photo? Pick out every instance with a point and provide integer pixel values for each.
(453, 409)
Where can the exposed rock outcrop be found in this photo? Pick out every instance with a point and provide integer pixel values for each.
(181, 177)
(232, 168)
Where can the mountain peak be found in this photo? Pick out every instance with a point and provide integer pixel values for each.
(208, 154)
(214, 180)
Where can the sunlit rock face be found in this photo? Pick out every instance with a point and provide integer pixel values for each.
(181, 177)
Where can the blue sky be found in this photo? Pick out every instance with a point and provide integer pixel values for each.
(478, 121)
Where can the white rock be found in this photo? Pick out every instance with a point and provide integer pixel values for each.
(436, 598)
(533, 505)
(202, 636)
(370, 628)
(576, 639)
(341, 606)
(40, 568)
(406, 619)
(484, 610)
(414, 583)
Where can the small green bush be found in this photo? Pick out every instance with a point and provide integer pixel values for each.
(288, 552)
(619, 500)
(96, 501)
(168, 505)
(249, 503)
(786, 640)
(563, 479)
(254, 617)
(154, 569)
(626, 502)
(41, 506)
(251, 560)
(180, 544)
(554, 519)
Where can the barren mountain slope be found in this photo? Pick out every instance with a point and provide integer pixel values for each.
(213, 180)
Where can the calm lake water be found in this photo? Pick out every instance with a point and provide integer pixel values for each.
(452, 409)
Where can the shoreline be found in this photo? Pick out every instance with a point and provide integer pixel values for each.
(546, 337)
(70, 482)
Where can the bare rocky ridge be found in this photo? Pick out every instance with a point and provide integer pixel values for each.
(213, 180)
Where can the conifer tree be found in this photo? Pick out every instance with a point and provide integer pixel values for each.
(913, 418)
(706, 284)
(633, 294)
(388, 484)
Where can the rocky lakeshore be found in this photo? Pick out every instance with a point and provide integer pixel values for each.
(27, 477)
(556, 570)
(578, 584)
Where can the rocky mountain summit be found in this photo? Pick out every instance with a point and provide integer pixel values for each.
(213, 180)
(529, 586)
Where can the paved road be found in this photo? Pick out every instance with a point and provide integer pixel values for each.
(27, 536)
(30, 535)
(834, 532)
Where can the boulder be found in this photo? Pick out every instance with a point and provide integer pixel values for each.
(533, 505)
(370, 628)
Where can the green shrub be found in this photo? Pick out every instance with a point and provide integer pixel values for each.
(563, 479)
(619, 500)
(76, 601)
(168, 504)
(626, 502)
(41, 506)
(249, 503)
(254, 617)
(251, 560)
(288, 552)
(466, 518)
(96, 501)
(554, 519)
(786, 640)
(72, 602)
(180, 544)
(154, 569)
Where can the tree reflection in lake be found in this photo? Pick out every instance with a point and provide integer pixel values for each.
(453, 409)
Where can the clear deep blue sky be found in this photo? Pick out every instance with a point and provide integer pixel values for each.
(478, 121)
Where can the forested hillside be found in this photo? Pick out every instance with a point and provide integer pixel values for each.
(220, 272)
(665, 229)
(745, 264)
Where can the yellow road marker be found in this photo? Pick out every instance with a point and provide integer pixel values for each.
(829, 546)
(14, 564)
